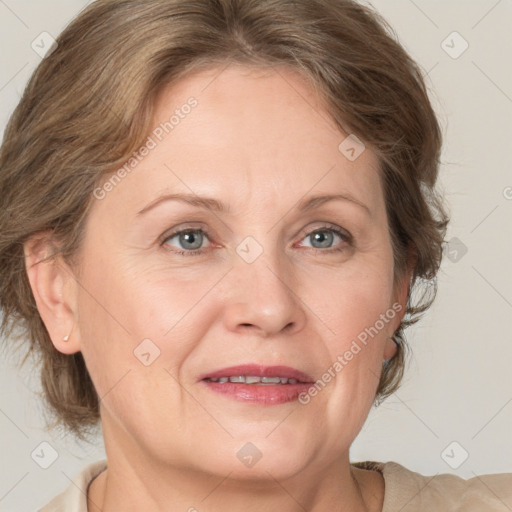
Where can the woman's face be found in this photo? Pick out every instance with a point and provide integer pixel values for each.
(271, 279)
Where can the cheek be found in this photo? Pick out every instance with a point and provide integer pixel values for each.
(128, 312)
(356, 309)
(352, 300)
(132, 342)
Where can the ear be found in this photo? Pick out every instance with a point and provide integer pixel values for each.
(55, 290)
(400, 296)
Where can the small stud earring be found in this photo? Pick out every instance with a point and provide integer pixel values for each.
(66, 338)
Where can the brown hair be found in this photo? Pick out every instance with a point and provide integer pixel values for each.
(89, 105)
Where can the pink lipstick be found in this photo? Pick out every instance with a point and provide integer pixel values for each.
(269, 385)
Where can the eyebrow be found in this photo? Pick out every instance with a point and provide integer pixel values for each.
(316, 201)
(208, 203)
(212, 204)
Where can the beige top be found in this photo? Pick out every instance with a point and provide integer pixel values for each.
(405, 491)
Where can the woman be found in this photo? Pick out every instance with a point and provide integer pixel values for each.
(290, 149)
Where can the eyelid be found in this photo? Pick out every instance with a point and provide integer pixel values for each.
(325, 226)
(177, 230)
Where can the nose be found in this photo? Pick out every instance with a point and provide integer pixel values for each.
(263, 297)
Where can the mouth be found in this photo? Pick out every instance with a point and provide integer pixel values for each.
(253, 379)
(267, 385)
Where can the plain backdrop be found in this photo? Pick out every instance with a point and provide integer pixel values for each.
(453, 413)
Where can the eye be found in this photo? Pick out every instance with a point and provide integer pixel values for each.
(327, 238)
(190, 241)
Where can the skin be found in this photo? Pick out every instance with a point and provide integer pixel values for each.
(259, 141)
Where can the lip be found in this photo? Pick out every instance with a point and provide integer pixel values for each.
(260, 371)
(252, 393)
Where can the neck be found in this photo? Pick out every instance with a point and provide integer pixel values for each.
(135, 482)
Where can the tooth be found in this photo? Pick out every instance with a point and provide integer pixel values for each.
(271, 380)
(252, 379)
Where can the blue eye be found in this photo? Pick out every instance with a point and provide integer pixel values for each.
(324, 238)
(320, 238)
(189, 241)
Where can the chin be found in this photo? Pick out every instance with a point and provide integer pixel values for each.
(260, 457)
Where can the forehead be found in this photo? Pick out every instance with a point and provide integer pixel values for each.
(251, 136)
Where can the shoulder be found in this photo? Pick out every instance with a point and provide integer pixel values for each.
(408, 491)
(74, 498)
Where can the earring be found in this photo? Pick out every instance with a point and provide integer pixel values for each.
(66, 338)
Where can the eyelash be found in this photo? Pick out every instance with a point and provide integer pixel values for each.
(198, 252)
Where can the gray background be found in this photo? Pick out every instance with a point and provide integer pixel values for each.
(453, 412)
